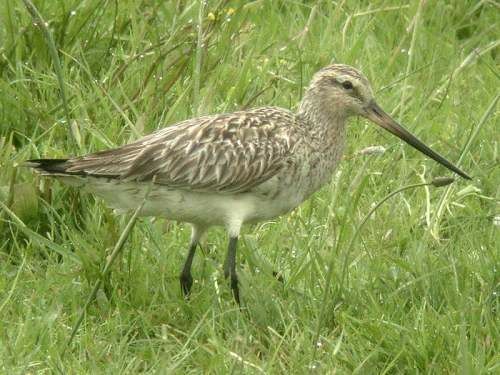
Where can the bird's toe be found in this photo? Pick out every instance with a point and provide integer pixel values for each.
(186, 284)
(235, 289)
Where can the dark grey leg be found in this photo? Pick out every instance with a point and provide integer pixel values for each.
(278, 277)
(185, 278)
(230, 267)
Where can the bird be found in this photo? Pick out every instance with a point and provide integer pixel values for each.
(237, 168)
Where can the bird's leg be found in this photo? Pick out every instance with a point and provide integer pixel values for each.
(230, 267)
(278, 276)
(185, 277)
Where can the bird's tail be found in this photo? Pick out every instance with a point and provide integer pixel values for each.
(56, 167)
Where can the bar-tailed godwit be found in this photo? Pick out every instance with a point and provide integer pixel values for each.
(237, 168)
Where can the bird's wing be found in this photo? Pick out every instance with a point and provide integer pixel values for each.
(223, 153)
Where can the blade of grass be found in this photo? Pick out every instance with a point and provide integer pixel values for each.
(197, 61)
(446, 194)
(13, 287)
(39, 20)
(116, 251)
(437, 182)
(10, 195)
(42, 241)
(105, 93)
(411, 53)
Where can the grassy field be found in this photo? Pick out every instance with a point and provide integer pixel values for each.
(414, 290)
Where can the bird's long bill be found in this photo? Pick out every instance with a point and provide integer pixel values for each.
(378, 116)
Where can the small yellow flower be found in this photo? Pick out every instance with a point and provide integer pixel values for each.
(230, 11)
(211, 16)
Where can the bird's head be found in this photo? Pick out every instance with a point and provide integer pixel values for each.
(341, 91)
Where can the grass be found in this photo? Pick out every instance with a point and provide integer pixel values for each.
(416, 290)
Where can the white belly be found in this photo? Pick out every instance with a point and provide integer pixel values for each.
(193, 207)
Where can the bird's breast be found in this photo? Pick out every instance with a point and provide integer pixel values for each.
(314, 169)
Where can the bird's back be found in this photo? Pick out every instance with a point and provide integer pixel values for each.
(227, 152)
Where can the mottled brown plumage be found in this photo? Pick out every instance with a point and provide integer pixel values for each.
(236, 168)
(226, 153)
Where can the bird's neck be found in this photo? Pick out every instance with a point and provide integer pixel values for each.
(325, 131)
(325, 123)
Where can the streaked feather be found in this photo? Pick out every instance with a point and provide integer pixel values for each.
(222, 153)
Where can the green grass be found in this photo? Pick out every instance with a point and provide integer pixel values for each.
(416, 292)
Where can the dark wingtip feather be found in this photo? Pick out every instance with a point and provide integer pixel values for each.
(61, 167)
(47, 165)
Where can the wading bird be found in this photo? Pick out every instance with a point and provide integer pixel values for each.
(237, 168)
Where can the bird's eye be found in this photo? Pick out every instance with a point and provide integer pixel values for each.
(347, 85)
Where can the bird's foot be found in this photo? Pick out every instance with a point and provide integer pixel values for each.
(234, 285)
(278, 276)
(235, 289)
(186, 284)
